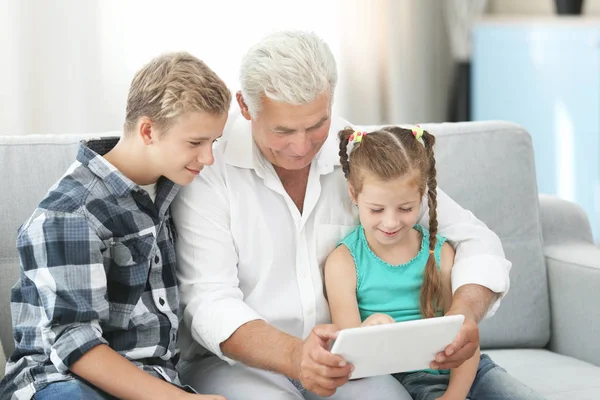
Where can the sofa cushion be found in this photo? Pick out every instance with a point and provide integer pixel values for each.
(555, 376)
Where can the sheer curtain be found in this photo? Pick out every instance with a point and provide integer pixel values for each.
(66, 64)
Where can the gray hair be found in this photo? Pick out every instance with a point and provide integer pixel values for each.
(293, 67)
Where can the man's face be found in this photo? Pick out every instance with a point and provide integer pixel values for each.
(180, 152)
(290, 136)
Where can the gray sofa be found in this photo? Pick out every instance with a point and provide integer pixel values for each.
(546, 332)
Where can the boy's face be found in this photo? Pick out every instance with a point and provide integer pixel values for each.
(180, 152)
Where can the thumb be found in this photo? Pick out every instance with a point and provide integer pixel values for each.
(459, 342)
(326, 332)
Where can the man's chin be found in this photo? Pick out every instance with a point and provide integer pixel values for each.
(292, 164)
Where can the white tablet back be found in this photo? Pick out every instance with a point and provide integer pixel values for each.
(400, 347)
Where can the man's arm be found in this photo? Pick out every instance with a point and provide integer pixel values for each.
(480, 267)
(213, 303)
(278, 350)
(62, 258)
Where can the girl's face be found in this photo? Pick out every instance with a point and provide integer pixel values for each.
(388, 209)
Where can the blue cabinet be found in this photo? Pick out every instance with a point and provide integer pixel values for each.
(544, 74)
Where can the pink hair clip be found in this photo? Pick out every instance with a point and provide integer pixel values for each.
(357, 136)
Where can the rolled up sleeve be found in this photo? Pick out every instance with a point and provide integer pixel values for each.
(213, 303)
(479, 255)
(63, 291)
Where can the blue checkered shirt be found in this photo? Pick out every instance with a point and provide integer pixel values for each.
(97, 267)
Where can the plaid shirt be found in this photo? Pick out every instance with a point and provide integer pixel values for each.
(97, 266)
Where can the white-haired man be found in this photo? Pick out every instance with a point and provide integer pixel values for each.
(256, 227)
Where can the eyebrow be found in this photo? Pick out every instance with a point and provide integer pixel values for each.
(283, 129)
(380, 205)
(201, 138)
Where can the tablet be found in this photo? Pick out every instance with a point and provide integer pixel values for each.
(400, 347)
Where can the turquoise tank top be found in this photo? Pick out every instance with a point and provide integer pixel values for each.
(390, 289)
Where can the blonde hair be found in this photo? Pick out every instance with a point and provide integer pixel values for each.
(293, 67)
(173, 84)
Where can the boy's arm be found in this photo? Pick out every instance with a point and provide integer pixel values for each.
(340, 285)
(114, 374)
(461, 378)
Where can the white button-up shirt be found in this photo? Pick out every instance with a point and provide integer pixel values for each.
(245, 252)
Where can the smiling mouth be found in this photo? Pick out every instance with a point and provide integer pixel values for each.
(389, 233)
(194, 171)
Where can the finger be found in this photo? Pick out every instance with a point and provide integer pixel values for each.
(459, 342)
(444, 362)
(330, 372)
(330, 383)
(326, 332)
(323, 357)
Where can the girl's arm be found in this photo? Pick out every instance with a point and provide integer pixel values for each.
(461, 378)
(340, 286)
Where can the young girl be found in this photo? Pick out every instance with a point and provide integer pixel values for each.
(389, 269)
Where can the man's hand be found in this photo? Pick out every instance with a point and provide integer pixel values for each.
(464, 346)
(378, 319)
(317, 369)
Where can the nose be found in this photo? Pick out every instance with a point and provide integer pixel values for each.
(390, 221)
(301, 143)
(205, 156)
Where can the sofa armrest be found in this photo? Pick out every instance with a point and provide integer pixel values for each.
(563, 221)
(573, 263)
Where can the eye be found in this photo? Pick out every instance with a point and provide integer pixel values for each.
(406, 210)
(376, 210)
(194, 144)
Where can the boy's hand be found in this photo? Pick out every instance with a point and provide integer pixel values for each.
(378, 319)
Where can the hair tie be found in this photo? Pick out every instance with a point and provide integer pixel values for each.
(417, 132)
(430, 251)
(357, 137)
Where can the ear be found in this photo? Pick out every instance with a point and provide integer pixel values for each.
(243, 105)
(352, 194)
(146, 130)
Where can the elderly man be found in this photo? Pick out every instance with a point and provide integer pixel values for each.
(255, 228)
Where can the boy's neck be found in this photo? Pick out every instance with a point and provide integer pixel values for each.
(130, 160)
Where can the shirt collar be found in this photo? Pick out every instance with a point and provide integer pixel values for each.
(242, 152)
(90, 154)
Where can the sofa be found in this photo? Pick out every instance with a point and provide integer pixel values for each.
(547, 330)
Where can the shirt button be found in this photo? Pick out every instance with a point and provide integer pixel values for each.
(161, 301)
(156, 259)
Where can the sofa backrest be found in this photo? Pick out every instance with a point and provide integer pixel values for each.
(488, 168)
(29, 165)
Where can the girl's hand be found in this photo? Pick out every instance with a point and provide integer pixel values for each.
(378, 319)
